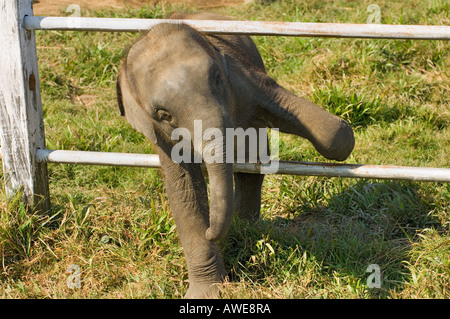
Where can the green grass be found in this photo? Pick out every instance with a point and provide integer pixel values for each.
(317, 236)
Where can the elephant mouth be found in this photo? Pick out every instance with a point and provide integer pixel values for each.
(208, 145)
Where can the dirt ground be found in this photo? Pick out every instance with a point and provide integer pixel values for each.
(52, 7)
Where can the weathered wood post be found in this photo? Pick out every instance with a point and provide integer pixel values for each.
(22, 128)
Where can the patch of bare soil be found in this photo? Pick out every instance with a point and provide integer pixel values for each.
(51, 7)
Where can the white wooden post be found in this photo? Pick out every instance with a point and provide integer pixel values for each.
(22, 128)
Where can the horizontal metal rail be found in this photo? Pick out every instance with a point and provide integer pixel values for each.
(303, 29)
(98, 158)
(423, 174)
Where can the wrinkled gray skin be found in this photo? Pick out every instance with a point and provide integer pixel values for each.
(174, 75)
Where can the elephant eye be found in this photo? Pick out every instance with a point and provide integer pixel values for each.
(164, 116)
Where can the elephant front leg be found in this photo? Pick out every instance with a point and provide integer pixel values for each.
(188, 199)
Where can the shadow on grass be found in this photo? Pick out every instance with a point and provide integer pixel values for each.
(333, 245)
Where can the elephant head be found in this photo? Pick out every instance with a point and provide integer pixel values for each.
(171, 78)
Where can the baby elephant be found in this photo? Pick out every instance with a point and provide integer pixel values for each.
(175, 77)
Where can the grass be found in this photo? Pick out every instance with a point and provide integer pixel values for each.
(317, 236)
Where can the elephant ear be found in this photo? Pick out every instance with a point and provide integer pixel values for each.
(131, 109)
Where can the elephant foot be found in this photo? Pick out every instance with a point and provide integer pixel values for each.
(203, 291)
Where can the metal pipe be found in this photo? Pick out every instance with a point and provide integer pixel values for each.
(424, 174)
(98, 158)
(305, 29)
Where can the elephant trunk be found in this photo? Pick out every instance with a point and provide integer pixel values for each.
(220, 175)
(221, 202)
(331, 136)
